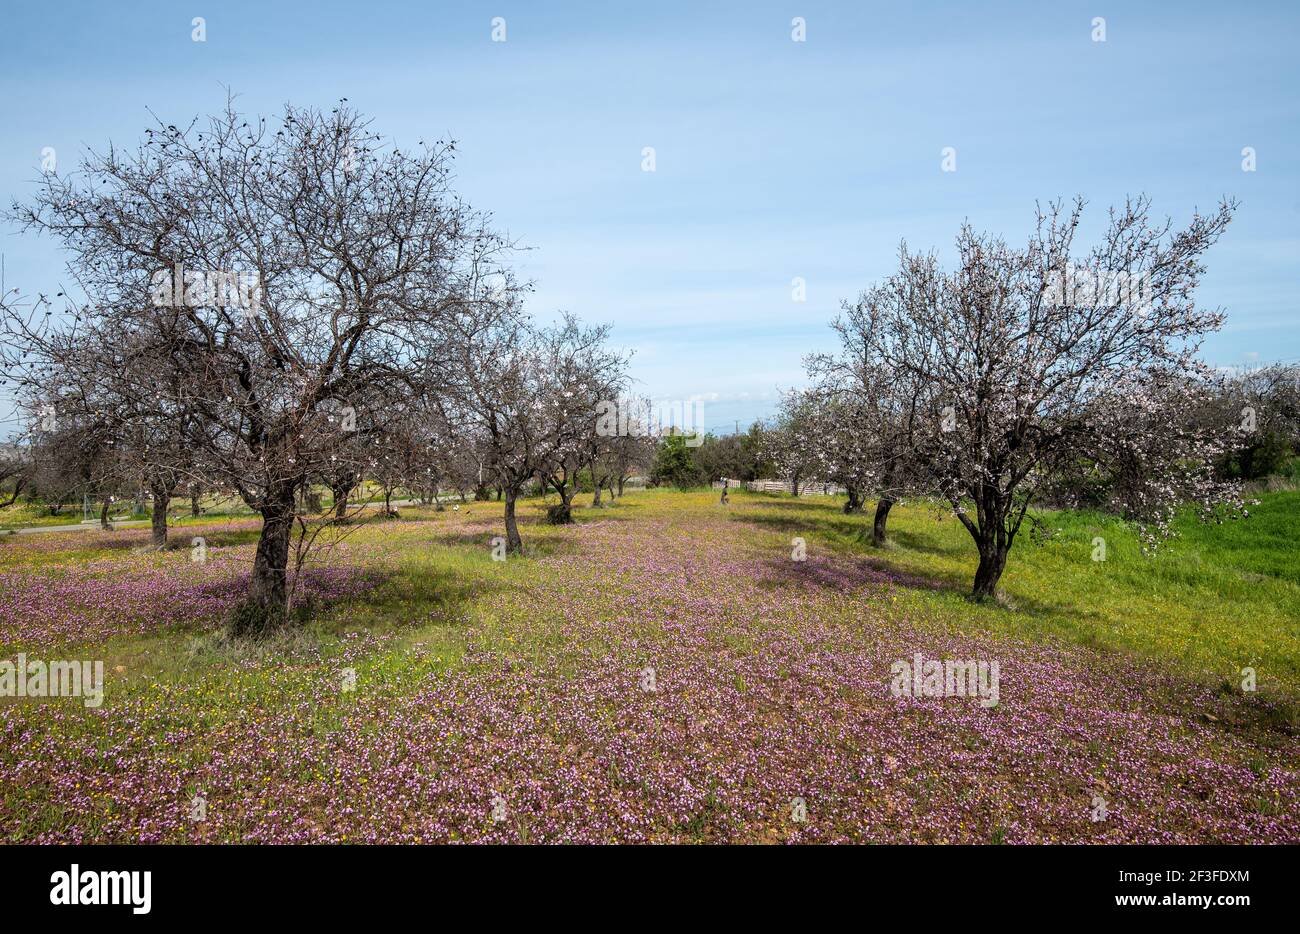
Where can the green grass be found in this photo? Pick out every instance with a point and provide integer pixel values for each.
(1215, 599)
(26, 515)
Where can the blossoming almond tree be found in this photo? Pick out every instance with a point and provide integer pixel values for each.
(1036, 358)
(868, 413)
(794, 442)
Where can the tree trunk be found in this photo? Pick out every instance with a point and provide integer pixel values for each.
(267, 605)
(161, 500)
(498, 494)
(854, 503)
(882, 518)
(103, 516)
(194, 502)
(341, 491)
(595, 500)
(563, 513)
(620, 487)
(992, 538)
(18, 491)
(993, 561)
(514, 544)
(794, 484)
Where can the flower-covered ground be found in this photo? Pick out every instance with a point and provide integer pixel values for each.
(663, 671)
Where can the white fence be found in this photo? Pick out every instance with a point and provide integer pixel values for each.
(806, 487)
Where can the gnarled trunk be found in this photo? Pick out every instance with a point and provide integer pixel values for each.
(563, 513)
(854, 503)
(992, 538)
(267, 605)
(194, 502)
(993, 561)
(162, 498)
(341, 489)
(878, 526)
(103, 516)
(514, 544)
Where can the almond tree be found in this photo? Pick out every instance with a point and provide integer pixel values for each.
(605, 382)
(866, 415)
(15, 474)
(632, 446)
(793, 442)
(528, 393)
(842, 453)
(1265, 402)
(1036, 358)
(74, 457)
(120, 390)
(272, 274)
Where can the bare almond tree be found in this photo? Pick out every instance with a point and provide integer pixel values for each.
(271, 279)
(527, 394)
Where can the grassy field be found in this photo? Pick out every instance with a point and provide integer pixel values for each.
(31, 515)
(1215, 599)
(24, 515)
(662, 671)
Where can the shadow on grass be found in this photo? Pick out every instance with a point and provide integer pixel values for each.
(850, 538)
(850, 532)
(846, 575)
(183, 539)
(539, 541)
(779, 501)
(412, 598)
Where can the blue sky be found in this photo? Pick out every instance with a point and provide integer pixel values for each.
(774, 159)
